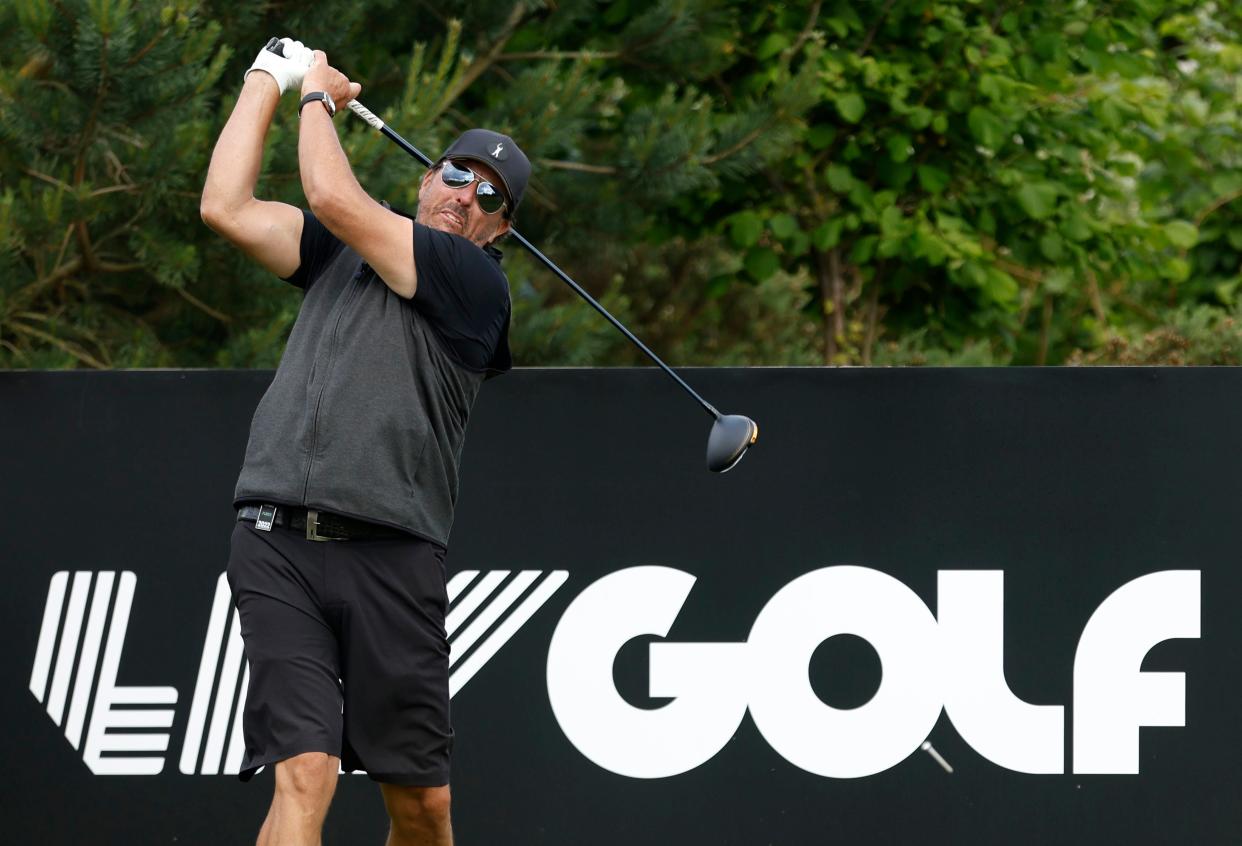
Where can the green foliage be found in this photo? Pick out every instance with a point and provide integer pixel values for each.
(1198, 335)
(926, 182)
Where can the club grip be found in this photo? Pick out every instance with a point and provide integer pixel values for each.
(276, 47)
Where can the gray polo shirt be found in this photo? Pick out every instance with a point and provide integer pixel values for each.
(367, 413)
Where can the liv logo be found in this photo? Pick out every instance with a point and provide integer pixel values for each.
(474, 635)
(219, 674)
(96, 704)
(486, 609)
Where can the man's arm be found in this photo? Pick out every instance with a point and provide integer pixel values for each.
(383, 238)
(268, 232)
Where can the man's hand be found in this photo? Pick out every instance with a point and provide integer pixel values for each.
(321, 76)
(287, 70)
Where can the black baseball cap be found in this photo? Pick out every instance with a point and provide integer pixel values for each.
(501, 153)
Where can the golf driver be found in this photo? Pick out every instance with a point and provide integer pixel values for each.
(731, 434)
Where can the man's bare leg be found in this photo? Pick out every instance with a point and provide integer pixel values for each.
(419, 816)
(304, 787)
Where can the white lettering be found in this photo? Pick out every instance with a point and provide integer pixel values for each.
(1112, 696)
(830, 741)
(956, 660)
(996, 724)
(703, 677)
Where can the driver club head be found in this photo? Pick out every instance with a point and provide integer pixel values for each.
(731, 436)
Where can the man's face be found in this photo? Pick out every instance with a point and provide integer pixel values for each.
(456, 210)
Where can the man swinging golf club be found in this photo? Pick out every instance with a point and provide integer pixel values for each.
(346, 494)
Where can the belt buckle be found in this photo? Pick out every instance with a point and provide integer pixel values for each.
(312, 527)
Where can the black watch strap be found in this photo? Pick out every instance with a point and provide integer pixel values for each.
(320, 96)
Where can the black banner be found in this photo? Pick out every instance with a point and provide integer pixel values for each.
(933, 606)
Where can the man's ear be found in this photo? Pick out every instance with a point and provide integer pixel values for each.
(423, 182)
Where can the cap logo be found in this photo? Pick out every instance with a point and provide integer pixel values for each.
(495, 154)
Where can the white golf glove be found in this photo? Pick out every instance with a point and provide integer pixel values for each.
(287, 70)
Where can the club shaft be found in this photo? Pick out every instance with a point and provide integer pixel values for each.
(369, 116)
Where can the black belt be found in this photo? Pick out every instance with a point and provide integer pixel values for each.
(320, 525)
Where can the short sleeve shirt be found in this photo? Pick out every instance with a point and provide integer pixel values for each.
(462, 292)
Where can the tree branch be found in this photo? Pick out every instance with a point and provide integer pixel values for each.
(134, 59)
(580, 167)
(1216, 204)
(51, 180)
(203, 307)
(61, 344)
(866, 45)
(873, 316)
(28, 292)
(481, 64)
(738, 147)
(588, 55)
(1045, 328)
(811, 19)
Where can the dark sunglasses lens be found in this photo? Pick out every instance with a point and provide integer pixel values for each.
(454, 176)
(490, 199)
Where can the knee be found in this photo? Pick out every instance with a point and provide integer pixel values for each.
(307, 779)
(417, 809)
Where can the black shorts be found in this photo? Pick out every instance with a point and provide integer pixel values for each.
(347, 652)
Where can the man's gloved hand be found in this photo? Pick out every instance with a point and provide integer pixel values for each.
(287, 70)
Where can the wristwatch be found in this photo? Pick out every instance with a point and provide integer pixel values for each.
(321, 96)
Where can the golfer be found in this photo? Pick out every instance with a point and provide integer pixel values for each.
(345, 498)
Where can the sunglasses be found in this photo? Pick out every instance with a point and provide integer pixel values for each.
(456, 176)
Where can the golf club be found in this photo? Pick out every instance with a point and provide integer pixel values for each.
(731, 434)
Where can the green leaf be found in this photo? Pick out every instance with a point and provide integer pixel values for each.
(971, 274)
(1000, 287)
(1057, 281)
(957, 100)
(898, 147)
(1181, 234)
(890, 246)
(783, 225)
(1226, 183)
(1176, 270)
(933, 179)
(819, 137)
(1051, 245)
(745, 228)
(1038, 199)
(828, 234)
(920, 117)
(839, 178)
(891, 220)
(1075, 227)
(761, 263)
(1109, 113)
(717, 286)
(931, 247)
(617, 12)
(864, 248)
(771, 45)
(988, 129)
(851, 107)
(992, 87)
